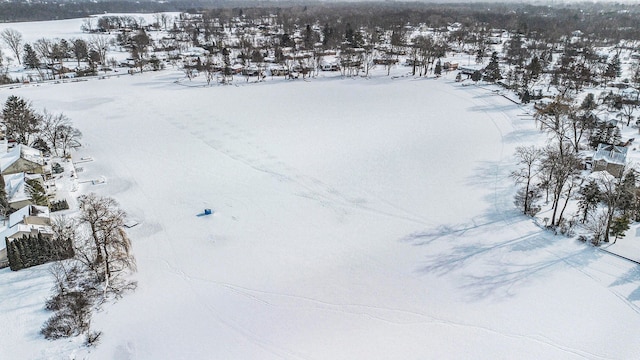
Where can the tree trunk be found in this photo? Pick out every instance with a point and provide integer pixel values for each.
(608, 227)
(107, 266)
(556, 199)
(97, 242)
(526, 194)
(565, 203)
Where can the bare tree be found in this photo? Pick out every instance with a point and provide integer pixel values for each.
(107, 249)
(80, 50)
(74, 291)
(209, 67)
(429, 49)
(627, 110)
(44, 48)
(553, 118)
(100, 44)
(618, 195)
(58, 132)
(69, 137)
(610, 196)
(562, 167)
(13, 39)
(87, 24)
(528, 157)
(597, 226)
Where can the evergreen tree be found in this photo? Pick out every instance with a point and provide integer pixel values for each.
(514, 51)
(476, 76)
(627, 193)
(589, 103)
(534, 68)
(80, 50)
(37, 193)
(349, 34)
(492, 71)
(309, 37)
(615, 136)
(588, 198)
(15, 262)
(438, 68)
(619, 225)
(30, 58)
(20, 119)
(227, 71)
(327, 36)
(4, 202)
(480, 54)
(613, 69)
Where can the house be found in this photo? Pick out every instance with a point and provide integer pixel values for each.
(31, 245)
(30, 215)
(30, 220)
(17, 189)
(329, 66)
(610, 158)
(20, 230)
(278, 70)
(20, 159)
(385, 61)
(251, 70)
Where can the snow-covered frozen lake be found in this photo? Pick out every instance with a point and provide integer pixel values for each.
(353, 219)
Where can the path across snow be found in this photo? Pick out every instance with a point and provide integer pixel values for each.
(353, 219)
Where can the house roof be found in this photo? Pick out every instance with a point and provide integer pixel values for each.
(29, 210)
(9, 232)
(612, 154)
(20, 151)
(15, 186)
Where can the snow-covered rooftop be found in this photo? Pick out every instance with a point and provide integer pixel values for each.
(612, 154)
(28, 211)
(20, 151)
(16, 186)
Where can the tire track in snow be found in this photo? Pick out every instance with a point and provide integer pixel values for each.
(617, 294)
(214, 313)
(173, 268)
(386, 314)
(315, 189)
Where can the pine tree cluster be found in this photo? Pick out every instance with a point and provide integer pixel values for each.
(31, 250)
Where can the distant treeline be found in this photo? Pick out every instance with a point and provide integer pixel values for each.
(21, 10)
(606, 20)
(57, 10)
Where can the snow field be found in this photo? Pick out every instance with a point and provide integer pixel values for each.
(353, 219)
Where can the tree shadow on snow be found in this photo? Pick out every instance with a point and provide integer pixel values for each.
(521, 137)
(491, 108)
(631, 276)
(497, 252)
